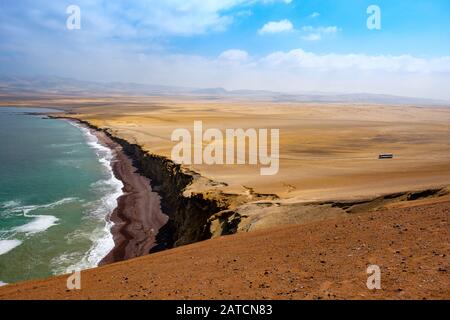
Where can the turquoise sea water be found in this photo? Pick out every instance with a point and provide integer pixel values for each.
(57, 191)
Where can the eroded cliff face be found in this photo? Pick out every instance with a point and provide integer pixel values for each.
(193, 216)
(189, 212)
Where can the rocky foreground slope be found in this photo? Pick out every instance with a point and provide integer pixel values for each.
(319, 260)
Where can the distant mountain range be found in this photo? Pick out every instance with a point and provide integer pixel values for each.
(32, 86)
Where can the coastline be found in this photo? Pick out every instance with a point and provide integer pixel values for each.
(137, 216)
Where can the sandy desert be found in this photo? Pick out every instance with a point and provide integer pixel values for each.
(329, 176)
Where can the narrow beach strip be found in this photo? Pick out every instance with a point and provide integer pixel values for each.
(138, 216)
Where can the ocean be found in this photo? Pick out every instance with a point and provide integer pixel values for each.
(57, 191)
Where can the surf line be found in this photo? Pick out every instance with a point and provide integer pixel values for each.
(228, 148)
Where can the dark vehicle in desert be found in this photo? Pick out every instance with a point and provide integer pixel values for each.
(386, 156)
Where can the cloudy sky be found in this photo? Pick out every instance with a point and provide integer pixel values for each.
(282, 45)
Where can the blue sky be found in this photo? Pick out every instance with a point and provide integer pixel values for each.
(416, 27)
(285, 45)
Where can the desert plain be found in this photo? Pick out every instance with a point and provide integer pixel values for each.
(329, 170)
(327, 151)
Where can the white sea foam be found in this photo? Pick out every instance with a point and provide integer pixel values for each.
(70, 152)
(102, 238)
(10, 204)
(8, 245)
(64, 145)
(59, 264)
(7, 208)
(39, 224)
(27, 209)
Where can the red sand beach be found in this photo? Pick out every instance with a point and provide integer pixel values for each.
(138, 216)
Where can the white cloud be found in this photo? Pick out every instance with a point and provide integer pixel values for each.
(325, 30)
(146, 18)
(244, 13)
(314, 15)
(312, 37)
(234, 55)
(301, 59)
(276, 27)
(290, 71)
(187, 17)
(316, 33)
